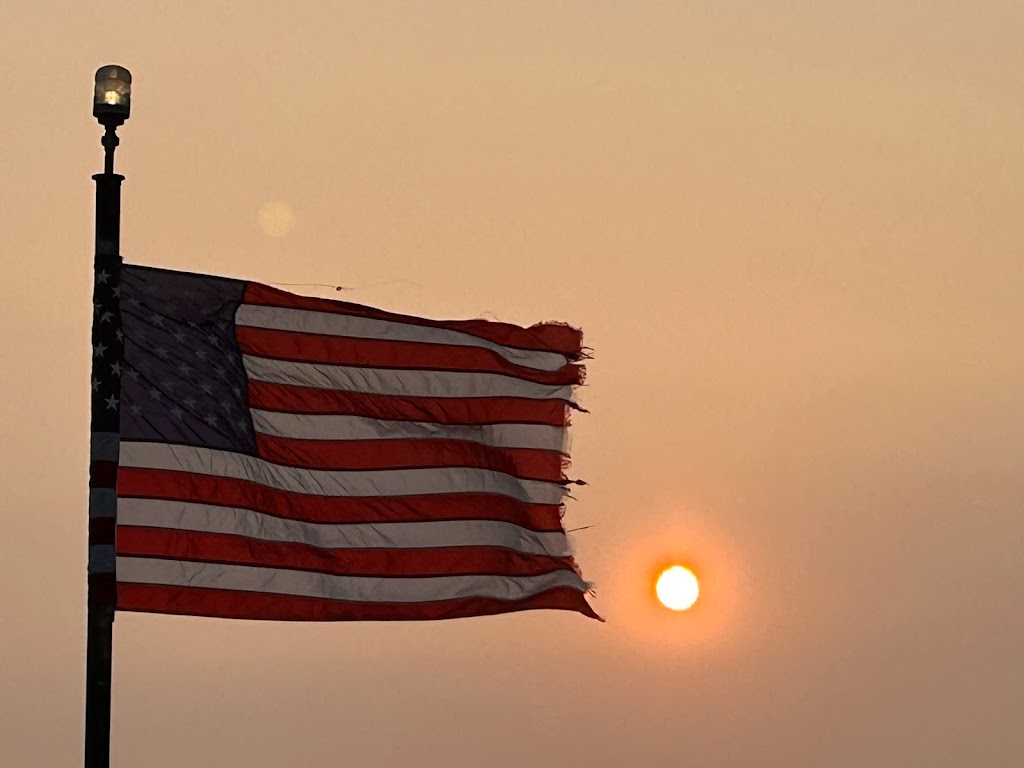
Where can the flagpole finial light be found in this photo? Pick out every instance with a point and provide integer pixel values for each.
(112, 96)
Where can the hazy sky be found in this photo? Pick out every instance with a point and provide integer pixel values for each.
(792, 234)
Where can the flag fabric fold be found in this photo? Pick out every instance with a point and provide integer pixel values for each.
(293, 458)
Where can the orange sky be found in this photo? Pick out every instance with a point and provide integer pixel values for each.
(792, 235)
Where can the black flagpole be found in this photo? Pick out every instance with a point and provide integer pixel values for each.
(111, 107)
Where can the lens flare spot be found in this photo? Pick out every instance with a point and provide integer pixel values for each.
(276, 219)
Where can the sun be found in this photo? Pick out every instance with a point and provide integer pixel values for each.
(677, 588)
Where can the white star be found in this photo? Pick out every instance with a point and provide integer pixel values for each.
(135, 409)
(185, 369)
(156, 319)
(105, 317)
(219, 370)
(225, 404)
(117, 291)
(243, 423)
(99, 350)
(168, 385)
(201, 354)
(111, 403)
(211, 420)
(161, 353)
(120, 336)
(179, 335)
(95, 385)
(134, 301)
(116, 368)
(134, 374)
(155, 393)
(207, 388)
(101, 277)
(177, 413)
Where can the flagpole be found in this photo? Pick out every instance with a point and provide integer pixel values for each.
(111, 107)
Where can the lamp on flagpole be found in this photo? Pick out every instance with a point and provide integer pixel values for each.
(111, 107)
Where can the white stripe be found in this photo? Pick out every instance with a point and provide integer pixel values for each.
(383, 482)
(335, 427)
(397, 381)
(361, 589)
(101, 558)
(102, 502)
(331, 324)
(104, 446)
(209, 518)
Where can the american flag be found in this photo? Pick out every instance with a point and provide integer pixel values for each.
(293, 458)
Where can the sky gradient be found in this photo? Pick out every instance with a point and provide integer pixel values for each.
(792, 235)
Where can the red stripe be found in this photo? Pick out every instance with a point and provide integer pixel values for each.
(103, 474)
(525, 463)
(545, 337)
(219, 603)
(101, 530)
(454, 410)
(375, 353)
(238, 550)
(102, 588)
(228, 492)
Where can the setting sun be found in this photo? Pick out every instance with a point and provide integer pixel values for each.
(677, 588)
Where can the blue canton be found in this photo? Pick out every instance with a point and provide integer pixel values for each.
(182, 379)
